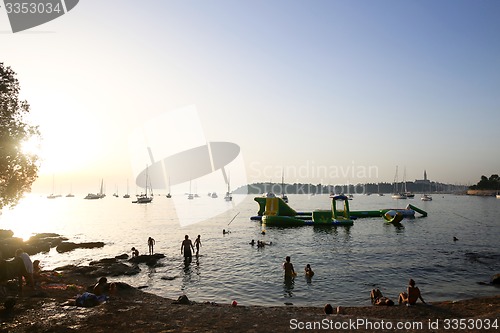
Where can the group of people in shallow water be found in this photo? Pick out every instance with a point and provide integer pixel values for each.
(186, 247)
(408, 297)
(290, 271)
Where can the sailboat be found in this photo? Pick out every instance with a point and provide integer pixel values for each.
(143, 197)
(168, 194)
(379, 193)
(228, 196)
(408, 194)
(425, 196)
(126, 195)
(99, 195)
(190, 195)
(397, 194)
(52, 195)
(283, 195)
(70, 194)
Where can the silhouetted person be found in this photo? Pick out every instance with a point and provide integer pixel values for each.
(197, 243)
(186, 248)
(151, 244)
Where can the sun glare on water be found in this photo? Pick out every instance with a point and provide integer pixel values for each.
(25, 219)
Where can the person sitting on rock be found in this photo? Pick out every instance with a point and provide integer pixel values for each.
(103, 287)
(135, 252)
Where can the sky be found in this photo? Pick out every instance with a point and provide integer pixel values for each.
(330, 92)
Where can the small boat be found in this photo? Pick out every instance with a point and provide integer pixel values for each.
(283, 195)
(144, 198)
(426, 197)
(126, 195)
(408, 194)
(70, 194)
(168, 194)
(190, 195)
(52, 195)
(397, 194)
(228, 196)
(100, 195)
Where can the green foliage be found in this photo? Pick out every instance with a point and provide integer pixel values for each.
(492, 183)
(18, 169)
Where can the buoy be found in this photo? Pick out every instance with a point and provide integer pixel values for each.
(234, 303)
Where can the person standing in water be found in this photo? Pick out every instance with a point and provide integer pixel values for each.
(186, 247)
(288, 267)
(151, 244)
(197, 243)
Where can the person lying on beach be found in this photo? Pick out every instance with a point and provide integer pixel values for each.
(379, 299)
(411, 295)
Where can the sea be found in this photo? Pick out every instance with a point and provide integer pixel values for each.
(348, 261)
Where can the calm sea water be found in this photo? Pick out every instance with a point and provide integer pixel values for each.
(348, 262)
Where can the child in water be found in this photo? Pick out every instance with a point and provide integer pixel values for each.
(308, 270)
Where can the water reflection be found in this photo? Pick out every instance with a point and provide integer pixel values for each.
(288, 285)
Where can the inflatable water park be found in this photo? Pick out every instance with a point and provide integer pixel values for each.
(273, 211)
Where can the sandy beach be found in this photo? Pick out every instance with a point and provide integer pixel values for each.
(51, 308)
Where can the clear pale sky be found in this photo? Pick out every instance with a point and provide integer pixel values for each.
(304, 85)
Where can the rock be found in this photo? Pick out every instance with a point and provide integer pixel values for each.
(105, 261)
(122, 256)
(69, 246)
(149, 260)
(495, 279)
(115, 269)
(182, 300)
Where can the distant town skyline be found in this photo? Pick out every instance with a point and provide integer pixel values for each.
(328, 91)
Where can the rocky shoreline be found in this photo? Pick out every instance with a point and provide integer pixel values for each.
(51, 307)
